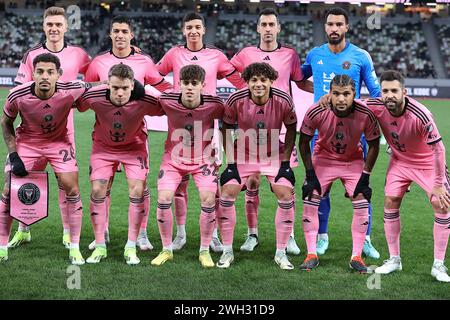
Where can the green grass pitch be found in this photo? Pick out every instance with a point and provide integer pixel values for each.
(39, 270)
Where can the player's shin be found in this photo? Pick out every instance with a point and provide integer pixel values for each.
(251, 210)
(441, 232)
(63, 208)
(310, 219)
(75, 212)
(180, 202)
(359, 225)
(98, 219)
(107, 207)
(5, 221)
(392, 227)
(165, 224)
(284, 222)
(136, 213)
(144, 222)
(226, 216)
(207, 224)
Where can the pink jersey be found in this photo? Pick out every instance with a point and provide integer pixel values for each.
(259, 123)
(284, 60)
(409, 135)
(118, 127)
(188, 128)
(42, 119)
(339, 137)
(209, 58)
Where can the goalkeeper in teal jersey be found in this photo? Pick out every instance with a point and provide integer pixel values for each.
(339, 56)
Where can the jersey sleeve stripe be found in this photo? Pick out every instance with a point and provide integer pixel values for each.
(434, 142)
(316, 110)
(421, 112)
(18, 92)
(25, 57)
(237, 96)
(367, 112)
(230, 73)
(418, 115)
(12, 118)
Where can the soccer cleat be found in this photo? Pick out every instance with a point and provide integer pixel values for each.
(20, 237)
(98, 255)
(162, 257)
(390, 265)
(66, 240)
(439, 271)
(322, 246)
(144, 243)
(75, 257)
(369, 250)
(130, 256)
(3, 255)
(216, 245)
(178, 243)
(283, 262)
(311, 262)
(107, 241)
(205, 259)
(250, 243)
(292, 247)
(358, 264)
(226, 259)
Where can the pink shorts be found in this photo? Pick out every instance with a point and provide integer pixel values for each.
(247, 170)
(35, 156)
(171, 174)
(399, 177)
(104, 162)
(328, 171)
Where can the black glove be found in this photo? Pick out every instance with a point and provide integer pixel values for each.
(138, 91)
(17, 166)
(231, 172)
(286, 172)
(311, 184)
(363, 187)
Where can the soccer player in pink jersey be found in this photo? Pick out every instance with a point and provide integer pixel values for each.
(217, 66)
(74, 60)
(42, 137)
(259, 112)
(188, 151)
(418, 155)
(338, 155)
(121, 34)
(285, 60)
(120, 136)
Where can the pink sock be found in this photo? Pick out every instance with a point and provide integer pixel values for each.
(5, 220)
(108, 204)
(207, 223)
(146, 209)
(251, 207)
(136, 213)
(310, 219)
(284, 221)
(165, 223)
(227, 220)
(181, 201)
(359, 225)
(392, 228)
(98, 217)
(75, 213)
(441, 232)
(63, 208)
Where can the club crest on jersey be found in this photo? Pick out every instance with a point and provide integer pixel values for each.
(260, 125)
(394, 135)
(117, 125)
(188, 127)
(346, 65)
(29, 194)
(339, 136)
(48, 118)
(430, 128)
(338, 147)
(161, 174)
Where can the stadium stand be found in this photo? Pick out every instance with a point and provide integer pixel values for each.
(443, 33)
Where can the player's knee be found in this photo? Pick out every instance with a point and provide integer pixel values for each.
(98, 192)
(229, 192)
(437, 207)
(164, 198)
(136, 191)
(71, 190)
(392, 202)
(253, 182)
(208, 200)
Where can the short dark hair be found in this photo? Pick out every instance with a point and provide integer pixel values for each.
(392, 75)
(342, 80)
(121, 71)
(268, 12)
(47, 57)
(192, 72)
(336, 11)
(193, 16)
(260, 69)
(121, 19)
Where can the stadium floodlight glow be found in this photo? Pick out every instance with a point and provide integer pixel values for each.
(278, 1)
(329, 2)
(305, 1)
(431, 4)
(380, 3)
(254, 1)
(229, 0)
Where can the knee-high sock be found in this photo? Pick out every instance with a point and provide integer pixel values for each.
(359, 225)
(165, 223)
(75, 212)
(310, 219)
(181, 201)
(98, 218)
(324, 213)
(63, 208)
(284, 222)
(294, 198)
(136, 212)
(251, 207)
(227, 220)
(369, 227)
(392, 228)
(108, 204)
(216, 223)
(144, 222)
(207, 223)
(441, 232)
(5, 220)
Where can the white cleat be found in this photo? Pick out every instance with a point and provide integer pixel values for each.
(143, 242)
(250, 243)
(292, 247)
(225, 260)
(439, 271)
(283, 262)
(216, 245)
(178, 243)
(107, 241)
(390, 265)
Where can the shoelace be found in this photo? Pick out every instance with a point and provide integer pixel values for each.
(441, 267)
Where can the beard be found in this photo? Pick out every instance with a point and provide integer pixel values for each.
(335, 41)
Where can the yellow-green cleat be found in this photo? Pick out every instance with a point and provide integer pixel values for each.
(75, 257)
(3, 255)
(130, 256)
(162, 257)
(98, 255)
(20, 237)
(66, 240)
(205, 259)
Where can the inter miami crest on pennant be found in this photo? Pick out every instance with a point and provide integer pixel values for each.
(346, 65)
(29, 194)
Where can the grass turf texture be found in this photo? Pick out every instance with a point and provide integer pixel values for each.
(39, 270)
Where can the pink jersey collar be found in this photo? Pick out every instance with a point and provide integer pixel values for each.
(131, 53)
(33, 92)
(186, 47)
(181, 103)
(277, 48)
(45, 47)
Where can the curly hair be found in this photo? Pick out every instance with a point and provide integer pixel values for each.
(259, 69)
